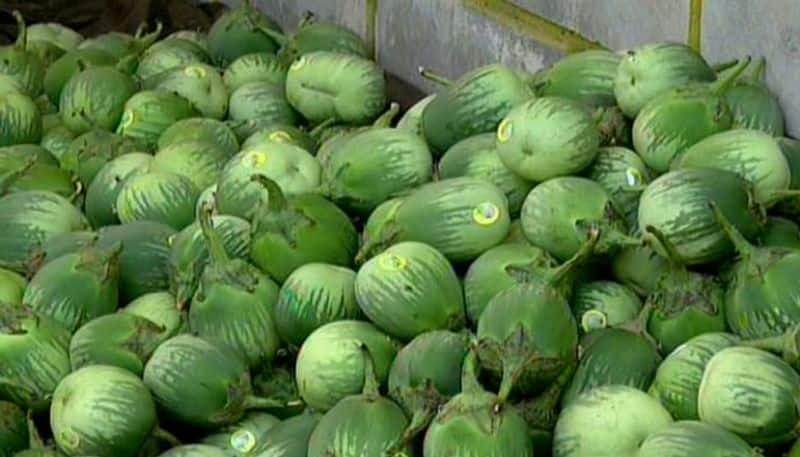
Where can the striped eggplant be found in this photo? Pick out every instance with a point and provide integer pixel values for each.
(20, 171)
(513, 346)
(20, 120)
(195, 36)
(50, 39)
(350, 428)
(461, 217)
(609, 421)
(312, 296)
(330, 364)
(233, 303)
(200, 129)
(312, 35)
(325, 85)
(34, 356)
(12, 286)
(76, 288)
(241, 31)
(547, 137)
(290, 437)
(491, 273)
(200, 84)
(90, 151)
(195, 450)
(59, 245)
(372, 166)
(677, 205)
(101, 194)
(557, 213)
(293, 169)
(20, 62)
(477, 157)
(753, 105)
(332, 136)
(622, 174)
(586, 77)
(157, 196)
(208, 197)
(57, 138)
(474, 424)
(752, 154)
(752, 393)
(246, 437)
(412, 118)
(649, 70)
(684, 303)
(474, 103)
(168, 54)
(200, 384)
(122, 340)
(613, 356)
(692, 438)
(255, 67)
(289, 232)
(13, 429)
(425, 374)
(120, 44)
(29, 219)
(379, 220)
(189, 254)
(95, 97)
(408, 289)
(68, 65)
(679, 118)
(148, 113)
(790, 206)
(103, 410)
(159, 308)
(759, 298)
(144, 258)
(677, 380)
(600, 304)
(780, 232)
(281, 133)
(201, 162)
(638, 267)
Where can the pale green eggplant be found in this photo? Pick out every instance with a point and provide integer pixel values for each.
(586, 77)
(148, 113)
(157, 196)
(200, 129)
(95, 98)
(255, 67)
(692, 438)
(754, 106)
(239, 31)
(200, 84)
(90, 151)
(601, 304)
(622, 174)
(101, 195)
(779, 231)
(168, 54)
(200, 162)
(20, 119)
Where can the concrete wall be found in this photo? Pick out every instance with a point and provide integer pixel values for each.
(450, 38)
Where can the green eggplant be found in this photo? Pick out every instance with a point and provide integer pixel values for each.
(289, 232)
(188, 253)
(158, 196)
(195, 450)
(12, 287)
(330, 365)
(790, 206)
(290, 437)
(652, 69)
(159, 308)
(281, 133)
(233, 303)
(239, 31)
(475, 103)
(168, 54)
(601, 304)
(200, 129)
(586, 77)
(13, 429)
(20, 62)
(59, 245)
(676, 204)
(34, 357)
(332, 136)
(262, 101)
(255, 67)
(20, 119)
(34, 172)
(477, 157)
(121, 44)
(623, 175)
(312, 296)
(754, 106)
(557, 213)
(349, 429)
(95, 98)
(246, 437)
(677, 379)
(148, 113)
(691, 438)
(78, 287)
(780, 232)
(102, 192)
(312, 35)
(56, 139)
(200, 84)
(65, 67)
(408, 289)
(200, 162)
(679, 118)
(411, 120)
(90, 151)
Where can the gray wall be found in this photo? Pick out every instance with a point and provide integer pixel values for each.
(447, 37)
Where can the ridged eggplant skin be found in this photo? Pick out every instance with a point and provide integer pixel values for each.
(200, 129)
(148, 113)
(613, 356)
(330, 364)
(600, 304)
(752, 154)
(677, 379)
(690, 438)
(20, 120)
(677, 204)
(312, 296)
(326, 85)
(255, 67)
(586, 77)
(101, 195)
(473, 104)
(13, 429)
(547, 137)
(373, 166)
(674, 121)
(290, 437)
(262, 100)
(102, 410)
(752, 393)
(409, 289)
(477, 157)
(164, 197)
(652, 69)
(95, 97)
(200, 162)
(31, 218)
(609, 421)
(620, 171)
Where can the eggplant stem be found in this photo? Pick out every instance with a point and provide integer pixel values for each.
(253, 402)
(435, 78)
(638, 325)
(775, 344)
(563, 271)
(371, 384)
(743, 247)
(721, 85)
(470, 371)
(276, 36)
(695, 24)
(778, 195)
(758, 71)
(722, 66)
(22, 30)
(317, 130)
(385, 119)
(306, 19)
(215, 246)
(656, 236)
(9, 178)
(166, 437)
(276, 201)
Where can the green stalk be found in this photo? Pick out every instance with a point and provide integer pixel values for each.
(372, 28)
(215, 246)
(655, 236)
(758, 71)
(22, 30)
(721, 85)
(469, 373)
(385, 119)
(167, 437)
(306, 19)
(316, 131)
(566, 269)
(371, 384)
(278, 37)
(514, 363)
(743, 247)
(722, 66)
(435, 78)
(276, 201)
(695, 24)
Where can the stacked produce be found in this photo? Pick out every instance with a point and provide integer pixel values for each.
(225, 244)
